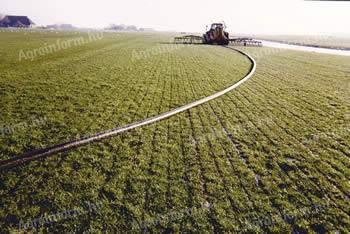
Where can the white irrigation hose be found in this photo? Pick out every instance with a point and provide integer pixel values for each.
(99, 136)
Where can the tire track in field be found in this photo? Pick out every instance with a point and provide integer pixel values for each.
(202, 183)
(260, 130)
(185, 153)
(168, 198)
(215, 159)
(295, 143)
(212, 216)
(340, 151)
(238, 148)
(299, 117)
(42, 153)
(188, 183)
(299, 106)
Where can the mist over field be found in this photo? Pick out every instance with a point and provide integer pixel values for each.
(241, 16)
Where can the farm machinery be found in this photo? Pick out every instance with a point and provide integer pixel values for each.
(216, 35)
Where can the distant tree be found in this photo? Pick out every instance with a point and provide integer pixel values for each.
(131, 28)
(122, 27)
(116, 27)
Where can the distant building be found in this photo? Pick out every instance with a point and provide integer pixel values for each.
(16, 22)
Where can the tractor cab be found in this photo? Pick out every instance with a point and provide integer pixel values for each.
(216, 26)
(216, 35)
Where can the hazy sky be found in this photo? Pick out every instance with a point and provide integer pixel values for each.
(241, 16)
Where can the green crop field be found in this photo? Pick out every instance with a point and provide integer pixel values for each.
(271, 156)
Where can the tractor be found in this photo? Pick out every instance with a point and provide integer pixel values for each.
(216, 35)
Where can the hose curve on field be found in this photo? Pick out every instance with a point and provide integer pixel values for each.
(42, 153)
